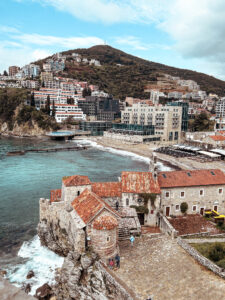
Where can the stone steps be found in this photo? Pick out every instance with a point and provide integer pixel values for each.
(123, 234)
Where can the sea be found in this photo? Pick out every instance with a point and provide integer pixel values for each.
(27, 178)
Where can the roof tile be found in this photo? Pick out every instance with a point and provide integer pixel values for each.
(76, 180)
(107, 189)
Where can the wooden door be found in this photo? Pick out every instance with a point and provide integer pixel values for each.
(167, 211)
(202, 211)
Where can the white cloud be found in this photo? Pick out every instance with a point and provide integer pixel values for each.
(46, 40)
(132, 41)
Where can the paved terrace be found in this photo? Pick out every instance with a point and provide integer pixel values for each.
(161, 268)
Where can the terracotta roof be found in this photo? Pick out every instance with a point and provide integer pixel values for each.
(56, 195)
(191, 178)
(217, 137)
(88, 204)
(105, 223)
(76, 180)
(139, 182)
(107, 189)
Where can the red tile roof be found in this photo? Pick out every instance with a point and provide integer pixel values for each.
(107, 189)
(217, 137)
(191, 178)
(139, 182)
(76, 180)
(55, 195)
(105, 223)
(88, 204)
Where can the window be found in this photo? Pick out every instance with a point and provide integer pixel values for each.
(177, 207)
(108, 238)
(182, 194)
(212, 173)
(194, 208)
(220, 191)
(152, 212)
(127, 202)
(167, 194)
(78, 193)
(201, 192)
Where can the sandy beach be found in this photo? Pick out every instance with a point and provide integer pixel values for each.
(146, 150)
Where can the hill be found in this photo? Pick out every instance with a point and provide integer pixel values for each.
(122, 74)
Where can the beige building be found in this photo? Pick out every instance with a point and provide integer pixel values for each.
(200, 189)
(167, 120)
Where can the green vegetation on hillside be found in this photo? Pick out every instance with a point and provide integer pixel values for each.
(131, 77)
(201, 123)
(13, 110)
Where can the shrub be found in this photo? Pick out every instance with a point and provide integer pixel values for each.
(183, 207)
(216, 252)
(221, 263)
(140, 209)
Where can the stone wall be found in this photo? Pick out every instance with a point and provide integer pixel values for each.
(208, 200)
(166, 227)
(200, 258)
(71, 192)
(125, 137)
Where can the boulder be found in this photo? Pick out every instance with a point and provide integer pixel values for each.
(44, 292)
(30, 274)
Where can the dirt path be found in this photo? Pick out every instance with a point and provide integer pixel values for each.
(161, 268)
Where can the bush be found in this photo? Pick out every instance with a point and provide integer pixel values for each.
(221, 263)
(183, 207)
(140, 209)
(216, 252)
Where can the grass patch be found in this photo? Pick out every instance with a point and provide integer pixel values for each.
(213, 251)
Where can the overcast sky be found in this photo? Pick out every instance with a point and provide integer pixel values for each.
(182, 33)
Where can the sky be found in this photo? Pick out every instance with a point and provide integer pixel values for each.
(187, 34)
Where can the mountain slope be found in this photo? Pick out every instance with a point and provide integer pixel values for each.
(134, 74)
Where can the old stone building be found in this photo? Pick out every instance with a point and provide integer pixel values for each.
(97, 214)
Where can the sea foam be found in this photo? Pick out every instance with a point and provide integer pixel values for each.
(40, 260)
(125, 153)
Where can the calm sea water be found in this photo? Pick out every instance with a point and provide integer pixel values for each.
(25, 179)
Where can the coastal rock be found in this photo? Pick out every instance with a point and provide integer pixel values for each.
(44, 292)
(27, 288)
(30, 274)
(3, 272)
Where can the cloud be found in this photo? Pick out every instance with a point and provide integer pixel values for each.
(132, 41)
(47, 40)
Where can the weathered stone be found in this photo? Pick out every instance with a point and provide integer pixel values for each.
(85, 262)
(44, 292)
(30, 274)
(3, 272)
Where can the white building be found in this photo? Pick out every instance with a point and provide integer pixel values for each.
(155, 95)
(30, 84)
(64, 111)
(175, 95)
(31, 70)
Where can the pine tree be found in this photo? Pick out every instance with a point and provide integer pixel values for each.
(47, 105)
(53, 109)
(32, 102)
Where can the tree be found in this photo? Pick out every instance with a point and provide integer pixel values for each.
(32, 102)
(53, 108)
(86, 92)
(183, 207)
(47, 105)
(5, 73)
(202, 123)
(70, 101)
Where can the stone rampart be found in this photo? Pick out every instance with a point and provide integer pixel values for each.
(167, 228)
(200, 258)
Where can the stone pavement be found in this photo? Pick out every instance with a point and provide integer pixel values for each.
(161, 268)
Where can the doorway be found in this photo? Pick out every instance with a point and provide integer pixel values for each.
(168, 211)
(141, 218)
(215, 208)
(202, 211)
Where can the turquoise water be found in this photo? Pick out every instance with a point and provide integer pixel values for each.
(25, 179)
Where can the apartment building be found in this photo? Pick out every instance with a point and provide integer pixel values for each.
(13, 70)
(220, 108)
(30, 84)
(46, 76)
(64, 111)
(167, 120)
(31, 70)
(59, 96)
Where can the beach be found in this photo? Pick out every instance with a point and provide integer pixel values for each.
(146, 150)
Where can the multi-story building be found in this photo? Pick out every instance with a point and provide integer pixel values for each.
(13, 70)
(30, 84)
(104, 109)
(46, 76)
(58, 95)
(175, 95)
(31, 70)
(167, 120)
(220, 108)
(185, 110)
(155, 95)
(54, 65)
(64, 111)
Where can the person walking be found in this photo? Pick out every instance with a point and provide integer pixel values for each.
(132, 239)
(117, 259)
(111, 263)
